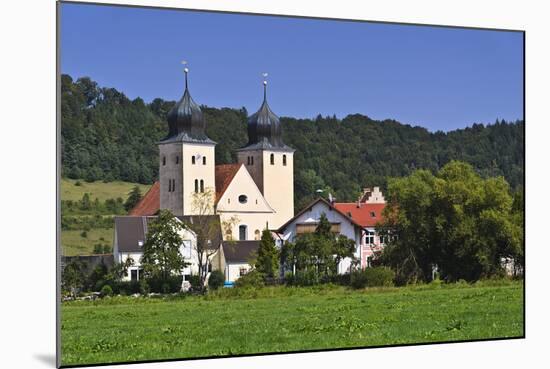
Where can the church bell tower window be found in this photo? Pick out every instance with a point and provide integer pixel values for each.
(272, 159)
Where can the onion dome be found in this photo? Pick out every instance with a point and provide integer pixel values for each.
(185, 120)
(264, 128)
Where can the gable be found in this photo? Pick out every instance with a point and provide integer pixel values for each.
(242, 187)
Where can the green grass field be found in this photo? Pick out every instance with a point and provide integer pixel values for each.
(72, 243)
(285, 319)
(99, 189)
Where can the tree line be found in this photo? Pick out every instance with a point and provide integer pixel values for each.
(106, 136)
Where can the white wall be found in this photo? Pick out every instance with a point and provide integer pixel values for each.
(232, 270)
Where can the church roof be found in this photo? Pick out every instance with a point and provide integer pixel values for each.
(149, 203)
(186, 122)
(224, 175)
(264, 129)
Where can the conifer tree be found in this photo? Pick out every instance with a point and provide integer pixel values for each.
(267, 261)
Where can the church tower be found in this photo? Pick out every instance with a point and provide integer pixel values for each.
(186, 157)
(270, 162)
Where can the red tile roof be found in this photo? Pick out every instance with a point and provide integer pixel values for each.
(362, 213)
(149, 204)
(224, 175)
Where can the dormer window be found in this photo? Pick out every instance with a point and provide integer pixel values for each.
(243, 199)
(373, 214)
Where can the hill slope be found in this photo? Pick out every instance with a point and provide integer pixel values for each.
(107, 136)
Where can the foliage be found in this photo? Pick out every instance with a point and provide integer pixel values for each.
(133, 198)
(372, 277)
(252, 279)
(107, 136)
(216, 280)
(106, 290)
(315, 256)
(72, 277)
(161, 251)
(455, 220)
(267, 261)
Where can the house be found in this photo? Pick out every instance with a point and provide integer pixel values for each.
(131, 233)
(237, 256)
(254, 194)
(367, 212)
(306, 221)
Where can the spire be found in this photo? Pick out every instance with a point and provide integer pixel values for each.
(264, 127)
(185, 120)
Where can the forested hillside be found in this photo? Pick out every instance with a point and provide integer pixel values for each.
(107, 136)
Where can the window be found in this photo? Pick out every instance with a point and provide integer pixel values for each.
(251, 160)
(272, 159)
(369, 238)
(202, 185)
(248, 160)
(369, 261)
(169, 185)
(243, 199)
(177, 159)
(193, 159)
(196, 185)
(257, 234)
(242, 233)
(284, 160)
(164, 160)
(134, 274)
(204, 160)
(229, 200)
(173, 185)
(242, 271)
(373, 214)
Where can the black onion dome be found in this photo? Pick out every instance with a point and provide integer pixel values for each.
(264, 130)
(186, 122)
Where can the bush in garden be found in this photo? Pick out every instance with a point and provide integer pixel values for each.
(252, 279)
(106, 290)
(372, 277)
(216, 280)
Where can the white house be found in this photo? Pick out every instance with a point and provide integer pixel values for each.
(306, 221)
(237, 256)
(130, 236)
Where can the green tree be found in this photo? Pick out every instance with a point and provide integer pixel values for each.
(133, 198)
(72, 278)
(267, 261)
(455, 220)
(161, 252)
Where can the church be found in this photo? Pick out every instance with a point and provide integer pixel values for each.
(255, 193)
(246, 197)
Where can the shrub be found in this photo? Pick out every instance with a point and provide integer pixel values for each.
(106, 290)
(216, 280)
(252, 279)
(372, 277)
(144, 287)
(303, 278)
(171, 285)
(84, 234)
(195, 282)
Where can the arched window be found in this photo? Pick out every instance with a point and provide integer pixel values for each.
(272, 159)
(204, 160)
(164, 160)
(202, 185)
(196, 185)
(284, 159)
(251, 160)
(248, 160)
(193, 159)
(169, 185)
(242, 232)
(257, 234)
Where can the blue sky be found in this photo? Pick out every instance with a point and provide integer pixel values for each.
(438, 78)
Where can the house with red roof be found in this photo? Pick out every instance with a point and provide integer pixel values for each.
(367, 212)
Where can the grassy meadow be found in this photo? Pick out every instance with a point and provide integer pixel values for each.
(278, 319)
(72, 241)
(98, 189)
